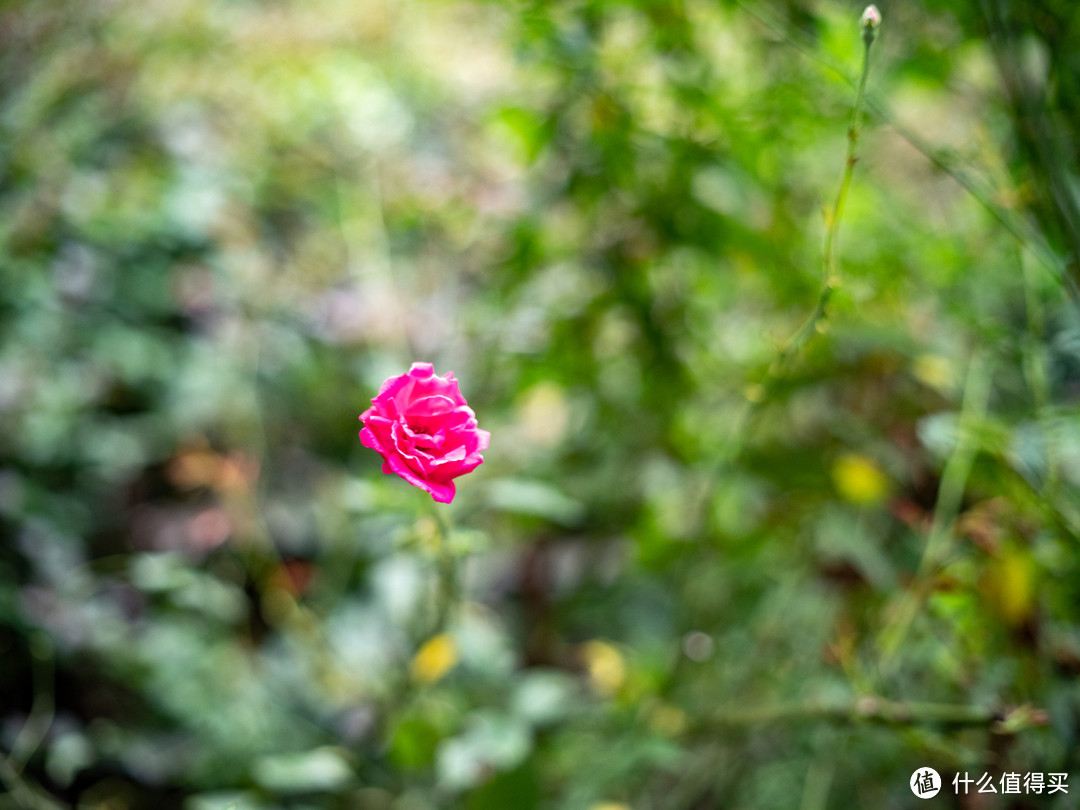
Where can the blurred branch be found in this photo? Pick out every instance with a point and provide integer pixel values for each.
(22, 793)
(958, 468)
(816, 788)
(878, 711)
(1036, 366)
(756, 395)
(1017, 226)
(1039, 132)
(950, 493)
(43, 710)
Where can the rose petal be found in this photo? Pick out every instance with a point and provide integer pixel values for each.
(425, 431)
(378, 430)
(430, 406)
(457, 454)
(405, 449)
(438, 386)
(483, 439)
(421, 371)
(441, 491)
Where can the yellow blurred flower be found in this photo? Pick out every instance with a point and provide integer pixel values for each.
(667, 720)
(934, 370)
(858, 479)
(1009, 587)
(544, 414)
(610, 806)
(605, 665)
(435, 658)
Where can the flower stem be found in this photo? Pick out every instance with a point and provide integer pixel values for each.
(447, 593)
(757, 394)
(830, 279)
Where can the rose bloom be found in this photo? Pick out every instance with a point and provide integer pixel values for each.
(424, 430)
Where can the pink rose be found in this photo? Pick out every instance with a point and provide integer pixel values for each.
(426, 432)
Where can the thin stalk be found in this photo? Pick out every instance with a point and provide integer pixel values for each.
(830, 276)
(1017, 227)
(874, 710)
(830, 280)
(446, 563)
(816, 788)
(950, 494)
(849, 162)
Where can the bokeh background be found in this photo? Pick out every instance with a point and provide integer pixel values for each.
(688, 575)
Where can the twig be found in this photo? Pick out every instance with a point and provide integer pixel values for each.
(756, 395)
(873, 710)
(853, 711)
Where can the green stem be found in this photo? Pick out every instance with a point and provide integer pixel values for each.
(830, 281)
(1017, 226)
(1036, 366)
(830, 277)
(873, 710)
(853, 711)
(950, 494)
(816, 788)
(446, 564)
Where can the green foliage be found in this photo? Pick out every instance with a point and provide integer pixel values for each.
(701, 566)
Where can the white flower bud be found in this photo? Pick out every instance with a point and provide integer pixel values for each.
(871, 18)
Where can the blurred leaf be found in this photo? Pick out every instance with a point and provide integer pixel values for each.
(543, 697)
(535, 498)
(323, 769)
(491, 742)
